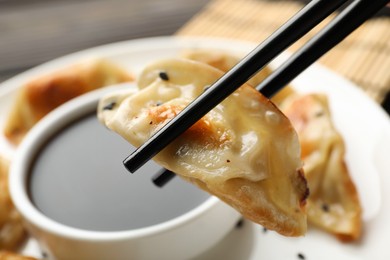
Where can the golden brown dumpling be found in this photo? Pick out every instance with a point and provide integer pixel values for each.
(333, 203)
(12, 232)
(41, 95)
(244, 151)
(4, 255)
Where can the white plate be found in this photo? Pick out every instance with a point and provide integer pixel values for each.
(364, 125)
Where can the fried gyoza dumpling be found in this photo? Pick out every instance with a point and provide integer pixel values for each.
(244, 151)
(12, 232)
(333, 203)
(41, 95)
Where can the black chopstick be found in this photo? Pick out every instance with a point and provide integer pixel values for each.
(312, 14)
(333, 33)
(162, 177)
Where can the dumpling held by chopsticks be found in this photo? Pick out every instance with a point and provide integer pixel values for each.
(244, 151)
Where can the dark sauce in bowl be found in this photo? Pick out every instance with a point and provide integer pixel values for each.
(78, 179)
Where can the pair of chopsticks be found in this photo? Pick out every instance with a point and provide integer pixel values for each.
(352, 16)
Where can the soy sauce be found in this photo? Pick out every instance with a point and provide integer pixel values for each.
(78, 179)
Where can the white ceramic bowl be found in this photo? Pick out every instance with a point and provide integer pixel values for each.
(182, 237)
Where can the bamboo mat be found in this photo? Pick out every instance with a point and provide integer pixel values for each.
(363, 57)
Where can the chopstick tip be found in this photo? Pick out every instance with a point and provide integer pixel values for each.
(162, 178)
(130, 164)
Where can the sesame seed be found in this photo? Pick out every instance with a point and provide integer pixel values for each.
(44, 254)
(109, 106)
(319, 113)
(163, 75)
(240, 223)
(325, 207)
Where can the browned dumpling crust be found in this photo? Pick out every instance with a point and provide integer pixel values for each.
(5, 255)
(244, 151)
(333, 203)
(43, 94)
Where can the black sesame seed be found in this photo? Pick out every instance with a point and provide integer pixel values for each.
(109, 106)
(227, 160)
(159, 103)
(325, 207)
(163, 75)
(301, 256)
(240, 223)
(44, 254)
(319, 113)
(151, 122)
(265, 230)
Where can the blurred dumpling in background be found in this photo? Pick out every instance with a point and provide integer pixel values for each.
(333, 204)
(41, 95)
(12, 232)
